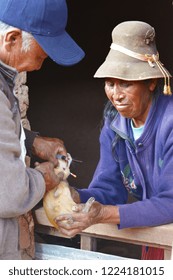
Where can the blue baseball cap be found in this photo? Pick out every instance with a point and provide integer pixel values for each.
(46, 20)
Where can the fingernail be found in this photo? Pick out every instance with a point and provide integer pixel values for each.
(74, 208)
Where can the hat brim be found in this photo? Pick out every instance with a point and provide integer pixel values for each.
(120, 66)
(62, 49)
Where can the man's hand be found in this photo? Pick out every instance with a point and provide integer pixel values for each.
(47, 170)
(47, 148)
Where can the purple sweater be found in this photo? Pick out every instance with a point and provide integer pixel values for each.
(143, 168)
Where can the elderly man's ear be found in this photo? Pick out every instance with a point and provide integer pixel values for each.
(12, 38)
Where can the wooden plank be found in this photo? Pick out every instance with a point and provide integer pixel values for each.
(167, 254)
(49, 230)
(160, 236)
(88, 243)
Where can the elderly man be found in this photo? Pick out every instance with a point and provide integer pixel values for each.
(136, 141)
(29, 32)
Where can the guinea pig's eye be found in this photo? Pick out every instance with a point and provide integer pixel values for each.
(63, 168)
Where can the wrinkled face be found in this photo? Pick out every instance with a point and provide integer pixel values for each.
(30, 60)
(132, 99)
(12, 54)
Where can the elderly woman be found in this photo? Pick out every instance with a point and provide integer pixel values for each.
(136, 141)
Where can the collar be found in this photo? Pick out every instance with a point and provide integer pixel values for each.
(120, 126)
(8, 72)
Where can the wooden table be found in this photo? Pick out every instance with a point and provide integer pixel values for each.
(160, 236)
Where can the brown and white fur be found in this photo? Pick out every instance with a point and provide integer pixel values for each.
(59, 201)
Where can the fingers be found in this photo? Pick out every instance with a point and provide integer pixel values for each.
(69, 233)
(80, 219)
(77, 221)
(65, 220)
(46, 148)
(68, 226)
(78, 208)
(47, 170)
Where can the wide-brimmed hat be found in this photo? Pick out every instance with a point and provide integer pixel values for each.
(46, 20)
(133, 55)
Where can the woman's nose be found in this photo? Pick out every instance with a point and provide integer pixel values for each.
(116, 93)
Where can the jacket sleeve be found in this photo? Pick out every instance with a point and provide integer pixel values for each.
(106, 185)
(21, 188)
(157, 209)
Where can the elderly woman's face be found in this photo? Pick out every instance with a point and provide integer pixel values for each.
(132, 99)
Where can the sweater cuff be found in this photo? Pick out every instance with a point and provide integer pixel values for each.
(30, 136)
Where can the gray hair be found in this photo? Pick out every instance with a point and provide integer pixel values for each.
(26, 37)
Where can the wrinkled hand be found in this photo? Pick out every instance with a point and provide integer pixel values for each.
(47, 170)
(47, 148)
(72, 224)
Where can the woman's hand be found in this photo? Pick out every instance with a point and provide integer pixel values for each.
(72, 224)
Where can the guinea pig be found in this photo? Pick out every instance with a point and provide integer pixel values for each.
(59, 201)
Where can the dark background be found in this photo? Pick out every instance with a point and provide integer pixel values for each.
(67, 102)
